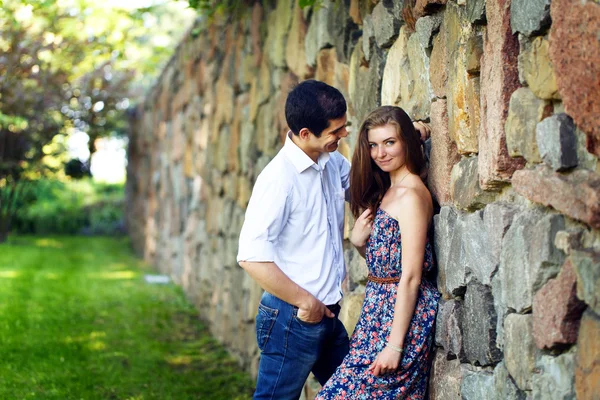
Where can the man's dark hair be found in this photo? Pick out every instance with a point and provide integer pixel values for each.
(311, 105)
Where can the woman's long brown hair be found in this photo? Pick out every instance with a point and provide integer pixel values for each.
(368, 183)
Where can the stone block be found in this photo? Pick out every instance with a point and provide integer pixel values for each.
(575, 55)
(295, 51)
(479, 325)
(365, 82)
(499, 79)
(424, 7)
(351, 308)
(497, 218)
(557, 310)
(504, 386)
(385, 26)
(586, 264)
(554, 377)
(576, 195)
(525, 111)
(438, 65)
(476, 11)
(519, 349)
(466, 192)
(529, 16)
(500, 307)
(318, 35)
(368, 37)
(477, 384)
(426, 27)
(357, 267)
(462, 90)
(452, 270)
(449, 332)
(445, 378)
(481, 264)
(345, 32)
(587, 369)
(528, 257)
(557, 142)
(536, 69)
(443, 154)
(444, 228)
(474, 53)
(405, 77)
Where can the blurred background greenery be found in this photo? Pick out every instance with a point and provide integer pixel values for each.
(71, 71)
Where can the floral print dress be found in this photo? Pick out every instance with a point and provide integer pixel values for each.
(352, 380)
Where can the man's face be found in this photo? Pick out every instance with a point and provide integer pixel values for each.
(330, 137)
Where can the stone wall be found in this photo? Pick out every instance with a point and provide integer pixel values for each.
(512, 91)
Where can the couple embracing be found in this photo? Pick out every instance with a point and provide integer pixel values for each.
(291, 245)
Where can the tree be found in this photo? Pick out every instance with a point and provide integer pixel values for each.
(70, 66)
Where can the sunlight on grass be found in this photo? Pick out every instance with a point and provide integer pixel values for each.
(81, 323)
(9, 274)
(116, 275)
(179, 360)
(55, 244)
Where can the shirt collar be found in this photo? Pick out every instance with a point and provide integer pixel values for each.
(299, 158)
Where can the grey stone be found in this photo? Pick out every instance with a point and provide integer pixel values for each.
(497, 218)
(479, 259)
(525, 111)
(479, 325)
(585, 159)
(449, 333)
(505, 387)
(344, 31)
(557, 141)
(519, 349)
(365, 83)
(318, 36)
(357, 268)
(528, 256)
(444, 229)
(500, 307)
(587, 267)
(464, 186)
(477, 385)
(554, 378)
(445, 378)
(476, 11)
(426, 27)
(279, 26)
(529, 16)
(368, 37)
(385, 25)
(455, 271)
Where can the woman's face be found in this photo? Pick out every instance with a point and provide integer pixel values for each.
(388, 152)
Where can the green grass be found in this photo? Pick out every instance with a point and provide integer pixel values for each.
(77, 321)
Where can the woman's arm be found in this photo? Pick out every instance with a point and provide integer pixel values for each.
(361, 231)
(413, 227)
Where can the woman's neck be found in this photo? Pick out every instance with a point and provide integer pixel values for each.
(397, 176)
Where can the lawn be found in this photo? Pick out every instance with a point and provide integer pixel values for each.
(78, 321)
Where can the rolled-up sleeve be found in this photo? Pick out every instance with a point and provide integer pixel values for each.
(265, 218)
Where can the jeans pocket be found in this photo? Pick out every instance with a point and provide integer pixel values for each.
(265, 319)
(310, 324)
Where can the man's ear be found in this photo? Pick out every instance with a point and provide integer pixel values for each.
(304, 133)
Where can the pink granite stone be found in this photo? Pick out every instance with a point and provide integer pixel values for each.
(499, 79)
(575, 56)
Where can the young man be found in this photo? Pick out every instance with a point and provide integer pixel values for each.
(291, 244)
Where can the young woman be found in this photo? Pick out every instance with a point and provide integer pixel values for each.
(390, 347)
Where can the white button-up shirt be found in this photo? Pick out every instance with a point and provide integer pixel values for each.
(295, 218)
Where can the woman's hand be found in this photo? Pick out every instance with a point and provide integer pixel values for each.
(423, 129)
(362, 229)
(387, 361)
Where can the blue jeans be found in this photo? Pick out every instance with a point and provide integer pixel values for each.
(291, 349)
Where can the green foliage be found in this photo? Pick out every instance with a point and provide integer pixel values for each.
(71, 207)
(81, 323)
